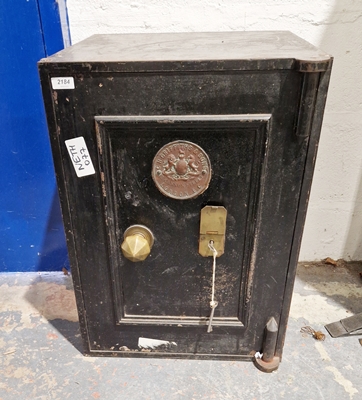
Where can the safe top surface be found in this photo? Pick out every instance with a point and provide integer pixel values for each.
(283, 46)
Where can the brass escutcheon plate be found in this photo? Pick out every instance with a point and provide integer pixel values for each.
(181, 170)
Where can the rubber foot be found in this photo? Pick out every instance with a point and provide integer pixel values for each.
(264, 366)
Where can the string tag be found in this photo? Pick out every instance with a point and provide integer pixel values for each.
(213, 303)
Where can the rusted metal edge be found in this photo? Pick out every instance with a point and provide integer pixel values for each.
(267, 367)
(237, 65)
(313, 65)
(347, 326)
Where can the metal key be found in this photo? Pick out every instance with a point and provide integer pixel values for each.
(213, 303)
(213, 306)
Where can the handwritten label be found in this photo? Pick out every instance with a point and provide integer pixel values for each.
(80, 157)
(66, 82)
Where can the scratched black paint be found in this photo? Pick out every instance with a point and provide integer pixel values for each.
(262, 171)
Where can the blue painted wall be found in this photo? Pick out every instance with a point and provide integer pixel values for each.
(32, 235)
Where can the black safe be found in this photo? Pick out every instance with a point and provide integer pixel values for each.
(184, 164)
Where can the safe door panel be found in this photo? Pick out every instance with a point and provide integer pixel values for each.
(172, 286)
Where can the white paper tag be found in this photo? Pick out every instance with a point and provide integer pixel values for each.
(64, 82)
(146, 343)
(80, 157)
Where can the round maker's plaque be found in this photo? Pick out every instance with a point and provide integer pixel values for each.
(181, 170)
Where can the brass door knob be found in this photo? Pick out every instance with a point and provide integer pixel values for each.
(137, 243)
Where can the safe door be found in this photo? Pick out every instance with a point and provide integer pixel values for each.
(182, 198)
(180, 212)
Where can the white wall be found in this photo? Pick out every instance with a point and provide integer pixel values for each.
(334, 222)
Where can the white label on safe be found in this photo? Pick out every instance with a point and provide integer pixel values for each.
(145, 343)
(80, 157)
(65, 82)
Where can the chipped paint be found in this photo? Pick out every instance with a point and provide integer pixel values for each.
(23, 373)
(86, 359)
(36, 304)
(338, 377)
(316, 309)
(46, 364)
(2, 343)
(347, 385)
(322, 351)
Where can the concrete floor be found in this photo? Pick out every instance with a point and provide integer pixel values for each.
(40, 349)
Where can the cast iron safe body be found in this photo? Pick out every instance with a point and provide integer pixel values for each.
(253, 101)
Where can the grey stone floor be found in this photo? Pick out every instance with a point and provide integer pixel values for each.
(40, 349)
